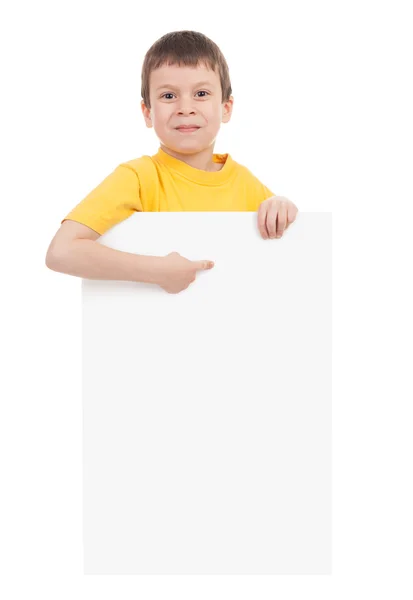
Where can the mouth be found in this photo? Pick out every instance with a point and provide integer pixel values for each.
(187, 129)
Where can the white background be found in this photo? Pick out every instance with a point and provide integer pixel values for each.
(322, 115)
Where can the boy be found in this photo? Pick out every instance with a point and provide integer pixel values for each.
(186, 95)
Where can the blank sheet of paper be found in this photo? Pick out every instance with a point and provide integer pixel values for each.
(207, 414)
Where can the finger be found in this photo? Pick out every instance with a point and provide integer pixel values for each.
(262, 212)
(291, 214)
(202, 265)
(271, 221)
(282, 220)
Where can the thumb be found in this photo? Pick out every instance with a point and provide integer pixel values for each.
(201, 265)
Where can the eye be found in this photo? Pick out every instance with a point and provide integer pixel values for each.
(171, 94)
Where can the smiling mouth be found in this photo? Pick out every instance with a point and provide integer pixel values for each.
(187, 129)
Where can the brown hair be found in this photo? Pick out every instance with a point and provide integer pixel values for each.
(188, 48)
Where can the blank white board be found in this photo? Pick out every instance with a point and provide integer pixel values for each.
(207, 414)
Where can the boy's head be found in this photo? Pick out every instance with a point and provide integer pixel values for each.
(185, 81)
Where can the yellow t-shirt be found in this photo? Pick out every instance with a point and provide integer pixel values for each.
(164, 183)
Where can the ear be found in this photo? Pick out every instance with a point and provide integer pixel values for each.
(227, 109)
(146, 114)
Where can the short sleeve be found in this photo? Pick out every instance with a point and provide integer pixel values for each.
(115, 199)
(257, 192)
(267, 193)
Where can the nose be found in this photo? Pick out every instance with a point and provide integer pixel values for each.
(185, 110)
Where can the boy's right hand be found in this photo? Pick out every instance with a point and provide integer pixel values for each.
(178, 273)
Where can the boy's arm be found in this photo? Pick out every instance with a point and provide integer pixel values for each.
(74, 251)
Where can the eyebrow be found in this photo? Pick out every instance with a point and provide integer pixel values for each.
(170, 86)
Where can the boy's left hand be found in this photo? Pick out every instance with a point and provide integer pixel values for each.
(275, 215)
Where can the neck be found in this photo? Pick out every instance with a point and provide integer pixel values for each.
(198, 160)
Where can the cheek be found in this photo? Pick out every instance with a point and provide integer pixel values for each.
(215, 120)
(160, 123)
(160, 114)
(215, 115)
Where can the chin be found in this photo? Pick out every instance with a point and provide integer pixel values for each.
(186, 148)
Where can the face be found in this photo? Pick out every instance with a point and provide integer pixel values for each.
(181, 95)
